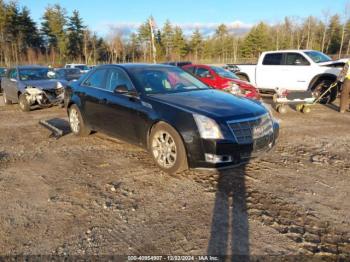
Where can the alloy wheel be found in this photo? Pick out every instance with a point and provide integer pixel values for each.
(74, 120)
(164, 149)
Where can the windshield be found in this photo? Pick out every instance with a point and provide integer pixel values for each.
(318, 57)
(165, 80)
(34, 74)
(224, 73)
(73, 71)
(2, 71)
(82, 67)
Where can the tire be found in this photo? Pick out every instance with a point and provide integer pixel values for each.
(164, 139)
(321, 86)
(6, 101)
(282, 109)
(306, 109)
(76, 122)
(23, 103)
(299, 107)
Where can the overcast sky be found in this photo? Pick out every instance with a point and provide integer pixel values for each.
(126, 15)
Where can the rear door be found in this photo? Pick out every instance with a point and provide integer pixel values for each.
(91, 95)
(121, 112)
(268, 73)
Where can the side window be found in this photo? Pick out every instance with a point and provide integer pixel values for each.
(190, 69)
(296, 59)
(96, 79)
(273, 59)
(202, 72)
(13, 74)
(117, 77)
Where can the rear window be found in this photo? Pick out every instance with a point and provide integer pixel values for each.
(273, 59)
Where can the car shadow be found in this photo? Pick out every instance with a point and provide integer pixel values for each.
(332, 106)
(230, 225)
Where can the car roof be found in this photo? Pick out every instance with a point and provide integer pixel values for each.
(292, 50)
(138, 65)
(198, 65)
(31, 67)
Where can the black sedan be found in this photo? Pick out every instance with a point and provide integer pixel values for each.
(181, 121)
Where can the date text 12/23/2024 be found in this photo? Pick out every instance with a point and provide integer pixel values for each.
(173, 258)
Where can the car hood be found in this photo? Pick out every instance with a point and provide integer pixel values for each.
(42, 84)
(212, 103)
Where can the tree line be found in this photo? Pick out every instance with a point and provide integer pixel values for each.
(63, 37)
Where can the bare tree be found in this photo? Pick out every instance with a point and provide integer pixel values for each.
(346, 13)
(326, 15)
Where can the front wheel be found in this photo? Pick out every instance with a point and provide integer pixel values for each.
(167, 149)
(23, 103)
(76, 122)
(322, 87)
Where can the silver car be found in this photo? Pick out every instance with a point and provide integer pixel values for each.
(32, 86)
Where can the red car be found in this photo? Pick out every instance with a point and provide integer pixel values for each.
(220, 78)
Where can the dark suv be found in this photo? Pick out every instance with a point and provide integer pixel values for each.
(181, 121)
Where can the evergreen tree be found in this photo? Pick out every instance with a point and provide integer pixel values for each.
(180, 47)
(53, 27)
(75, 31)
(257, 41)
(196, 43)
(334, 33)
(167, 38)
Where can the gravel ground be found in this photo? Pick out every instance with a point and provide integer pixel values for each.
(100, 196)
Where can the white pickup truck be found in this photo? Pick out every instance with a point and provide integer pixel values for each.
(297, 70)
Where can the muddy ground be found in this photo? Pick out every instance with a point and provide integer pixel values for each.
(97, 195)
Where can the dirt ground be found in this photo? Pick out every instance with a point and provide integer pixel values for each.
(97, 195)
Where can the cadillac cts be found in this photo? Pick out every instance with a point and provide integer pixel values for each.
(181, 121)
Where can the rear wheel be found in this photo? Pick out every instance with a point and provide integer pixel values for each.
(167, 149)
(282, 109)
(306, 109)
(6, 100)
(23, 103)
(76, 122)
(321, 87)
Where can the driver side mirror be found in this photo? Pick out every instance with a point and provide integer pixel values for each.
(121, 89)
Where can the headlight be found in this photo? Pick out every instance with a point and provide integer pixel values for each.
(59, 85)
(233, 88)
(207, 127)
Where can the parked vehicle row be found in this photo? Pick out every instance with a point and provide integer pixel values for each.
(179, 117)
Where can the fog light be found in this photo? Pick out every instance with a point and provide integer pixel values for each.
(215, 159)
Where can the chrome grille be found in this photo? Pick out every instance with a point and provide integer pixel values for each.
(257, 130)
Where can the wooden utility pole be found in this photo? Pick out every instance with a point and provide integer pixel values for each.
(154, 50)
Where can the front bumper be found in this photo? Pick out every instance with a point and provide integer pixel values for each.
(228, 153)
